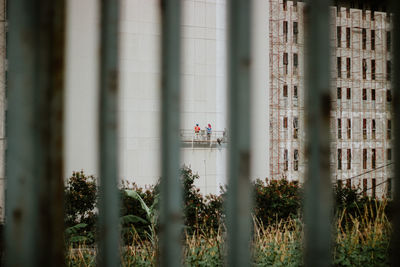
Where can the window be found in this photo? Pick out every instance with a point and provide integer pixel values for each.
(373, 69)
(372, 39)
(339, 93)
(388, 70)
(348, 128)
(365, 158)
(285, 124)
(348, 37)
(295, 31)
(365, 185)
(388, 95)
(373, 158)
(373, 94)
(285, 90)
(364, 94)
(348, 183)
(372, 15)
(340, 183)
(295, 63)
(389, 188)
(373, 129)
(339, 128)
(364, 126)
(339, 35)
(364, 68)
(348, 13)
(348, 93)
(339, 67)
(348, 159)
(388, 41)
(285, 31)
(284, 5)
(295, 91)
(296, 160)
(285, 62)
(363, 14)
(348, 67)
(373, 187)
(295, 127)
(389, 129)
(295, 5)
(389, 154)
(339, 159)
(364, 39)
(285, 160)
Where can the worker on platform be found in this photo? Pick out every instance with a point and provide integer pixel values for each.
(196, 131)
(209, 132)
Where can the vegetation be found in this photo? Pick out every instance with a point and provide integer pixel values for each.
(362, 226)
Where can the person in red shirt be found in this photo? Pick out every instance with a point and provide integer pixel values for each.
(196, 131)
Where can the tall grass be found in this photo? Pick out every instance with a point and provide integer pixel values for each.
(360, 240)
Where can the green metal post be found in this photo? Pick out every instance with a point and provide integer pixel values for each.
(34, 158)
(239, 193)
(171, 199)
(108, 131)
(318, 186)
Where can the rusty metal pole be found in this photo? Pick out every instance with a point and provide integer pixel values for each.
(34, 158)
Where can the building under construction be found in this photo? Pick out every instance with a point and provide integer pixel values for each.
(361, 126)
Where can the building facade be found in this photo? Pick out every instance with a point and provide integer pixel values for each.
(361, 126)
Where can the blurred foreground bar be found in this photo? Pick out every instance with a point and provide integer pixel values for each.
(318, 187)
(239, 192)
(109, 252)
(34, 160)
(171, 199)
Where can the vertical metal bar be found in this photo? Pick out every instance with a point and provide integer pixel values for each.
(34, 167)
(395, 240)
(108, 133)
(239, 192)
(318, 196)
(171, 199)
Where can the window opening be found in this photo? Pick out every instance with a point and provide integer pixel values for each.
(348, 159)
(373, 158)
(348, 128)
(373, 129)
(296, 160)
(365, 158)
(339, 155)
(348, 67)
(364, 128)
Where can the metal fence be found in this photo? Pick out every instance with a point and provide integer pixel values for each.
(34, 213)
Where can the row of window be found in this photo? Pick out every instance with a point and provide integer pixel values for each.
(364, 38)
(295, 126)
(295, 160)
(364, 129)
(364, 94)
(365, 187)
(295, 63)
(285, 91)
(364, 158)
(295, 31)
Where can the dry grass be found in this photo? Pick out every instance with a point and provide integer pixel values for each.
(360, 241)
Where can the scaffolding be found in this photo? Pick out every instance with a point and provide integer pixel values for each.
(360, 115)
